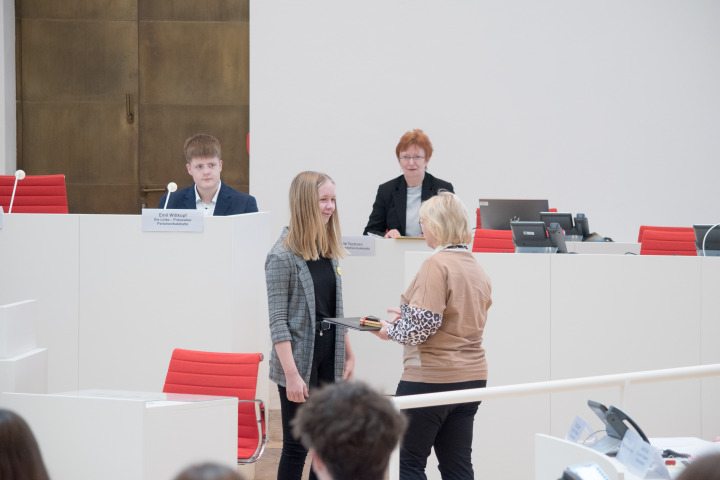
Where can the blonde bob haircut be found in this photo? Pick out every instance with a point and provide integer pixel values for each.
(445, 216)
(309, 237)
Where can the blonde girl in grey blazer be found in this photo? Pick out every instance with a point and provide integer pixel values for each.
(303, 285)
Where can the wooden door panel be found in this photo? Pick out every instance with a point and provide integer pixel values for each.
(192, 63)
(79, 61)
(106, 199)
(91, 143)
(79, 9)
(163, 132)
(194, 11)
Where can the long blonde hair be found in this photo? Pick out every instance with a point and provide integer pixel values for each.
(310, 237)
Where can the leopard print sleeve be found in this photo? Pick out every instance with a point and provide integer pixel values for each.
(414, 326)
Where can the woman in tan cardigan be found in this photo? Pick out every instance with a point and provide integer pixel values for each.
(440, 322)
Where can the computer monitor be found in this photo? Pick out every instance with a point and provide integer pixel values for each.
(496, 214)
(572, 232)
(532, 237)
(710, 235)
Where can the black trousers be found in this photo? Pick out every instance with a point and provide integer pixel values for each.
(292, 458)
(447, 428)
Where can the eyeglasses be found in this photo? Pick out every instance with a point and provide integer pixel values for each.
(407, 158)
(420, 222)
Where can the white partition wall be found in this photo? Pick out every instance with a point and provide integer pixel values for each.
(120, 435)
(566, 316)
(710, 339)
(40, 256)
(617, 314)
(113, 301)
(142, 294)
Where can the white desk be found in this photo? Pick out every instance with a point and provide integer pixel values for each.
(604, 248)
(118, 435)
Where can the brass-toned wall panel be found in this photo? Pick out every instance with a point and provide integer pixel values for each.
(191, 63)
(78, 61)
(165, 128)
(79, 9)
(196, 11)
(110, 199)
(88, 142)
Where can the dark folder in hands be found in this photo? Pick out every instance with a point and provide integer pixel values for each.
(355, 323)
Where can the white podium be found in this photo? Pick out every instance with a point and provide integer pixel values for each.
(117, 435)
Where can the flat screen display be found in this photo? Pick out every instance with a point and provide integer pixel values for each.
(564, 219)
(496, 214)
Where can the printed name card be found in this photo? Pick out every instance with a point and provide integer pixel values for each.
(577, 430)
(359, 246)
(641, 458)
(172, 220)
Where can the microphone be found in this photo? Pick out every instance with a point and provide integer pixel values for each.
(172, 186)
(581, 224)
(19, 175)
(556, 236)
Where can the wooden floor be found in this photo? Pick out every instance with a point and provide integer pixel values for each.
(266, 467)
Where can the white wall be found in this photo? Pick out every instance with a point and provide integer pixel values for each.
(7, 88)
(610, 108)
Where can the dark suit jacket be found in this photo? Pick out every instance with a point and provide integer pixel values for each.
(229, 201)
(391, 203)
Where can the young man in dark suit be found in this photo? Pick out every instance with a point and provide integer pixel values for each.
(208, 193)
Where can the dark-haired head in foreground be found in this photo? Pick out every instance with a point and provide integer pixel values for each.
(20, 457)
(351, 430)
(209, 471)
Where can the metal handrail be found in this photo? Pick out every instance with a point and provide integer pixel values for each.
(621, 380)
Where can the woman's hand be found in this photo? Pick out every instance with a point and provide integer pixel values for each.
(393, 233)
(296, 389)
(382, 333)
(349, 370)
(397, 313)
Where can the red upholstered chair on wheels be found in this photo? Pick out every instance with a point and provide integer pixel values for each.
(34, 194)
(227, 375)
(667, 241)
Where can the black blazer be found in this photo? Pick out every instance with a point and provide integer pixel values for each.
(391, 203)
(229, 201)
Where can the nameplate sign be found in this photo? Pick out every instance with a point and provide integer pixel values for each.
(359, 246)
(172, 220)
(578, 430)
(640, 457)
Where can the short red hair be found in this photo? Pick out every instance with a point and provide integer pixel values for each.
(417, 138)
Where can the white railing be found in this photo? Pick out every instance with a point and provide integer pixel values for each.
(620, 380)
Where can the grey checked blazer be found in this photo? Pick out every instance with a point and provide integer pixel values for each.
(291, 305)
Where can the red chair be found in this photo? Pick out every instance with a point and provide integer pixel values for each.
(34, 194)
(667, 241)
(661, 229)
(227, 375)
(493, 241)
